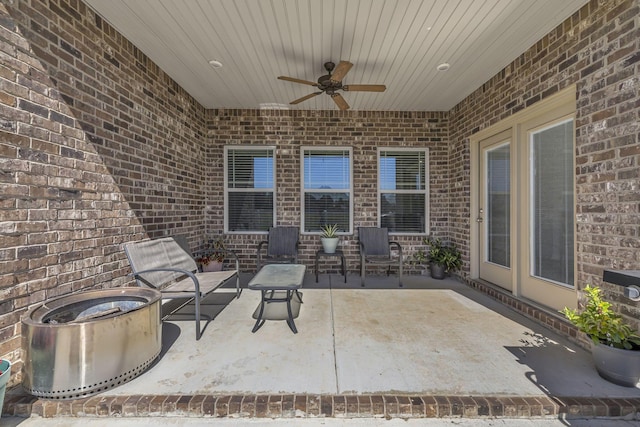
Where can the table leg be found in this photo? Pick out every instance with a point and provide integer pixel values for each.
(260, 320)
(290, 322)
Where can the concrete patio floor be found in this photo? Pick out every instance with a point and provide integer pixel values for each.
(436, 339)
(429, 337)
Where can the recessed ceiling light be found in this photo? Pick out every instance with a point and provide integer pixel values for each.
(443, 67)
(215, 64)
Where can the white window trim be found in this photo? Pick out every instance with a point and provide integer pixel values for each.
(226, 185)
(427, 206)
(303, 149)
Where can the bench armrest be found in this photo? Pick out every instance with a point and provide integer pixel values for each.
(187, 273)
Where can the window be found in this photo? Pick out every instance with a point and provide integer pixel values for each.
(327, 188)
(403, 190)
(249, 189)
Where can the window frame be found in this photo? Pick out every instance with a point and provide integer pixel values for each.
(425, 191)
(227, 190)
(303, 191)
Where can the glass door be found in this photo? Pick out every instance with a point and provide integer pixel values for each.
(494, 215)
(548, 244)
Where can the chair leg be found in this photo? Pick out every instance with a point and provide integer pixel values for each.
(197, 303)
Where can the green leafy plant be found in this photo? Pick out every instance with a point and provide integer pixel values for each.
(419, 257)
(446, 255)
(214, 250)
(601, 323)
(329, 231)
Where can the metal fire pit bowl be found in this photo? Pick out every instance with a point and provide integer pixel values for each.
(82, 344)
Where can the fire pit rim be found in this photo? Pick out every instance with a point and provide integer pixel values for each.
(34, 317)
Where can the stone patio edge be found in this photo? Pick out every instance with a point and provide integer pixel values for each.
(329, 406)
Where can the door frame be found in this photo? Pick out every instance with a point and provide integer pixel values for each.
(563, 98)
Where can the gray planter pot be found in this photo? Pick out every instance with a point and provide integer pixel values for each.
(619, 366)
(437, 271)
(329, 244)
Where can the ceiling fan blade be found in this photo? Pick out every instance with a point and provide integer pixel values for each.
(340, 102)
(304, 98)
(291, 79)
(340, 71)
(364, 88)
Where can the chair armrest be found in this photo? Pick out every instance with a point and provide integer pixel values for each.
(362, 251)
(235, 258)
(259, 257)
(396, 246)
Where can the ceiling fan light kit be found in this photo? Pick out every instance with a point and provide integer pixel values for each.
(331, 83)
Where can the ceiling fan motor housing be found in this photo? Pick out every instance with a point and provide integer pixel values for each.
(325, 84)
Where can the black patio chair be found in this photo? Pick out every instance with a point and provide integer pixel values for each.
(376, 249)
(281, 247)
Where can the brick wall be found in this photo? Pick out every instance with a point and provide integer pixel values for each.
(598, 50)
(97, 147)
(363, 131)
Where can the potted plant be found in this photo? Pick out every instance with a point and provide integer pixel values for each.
(420, 258)
(443, 258)
(615, 345)
(329, 238)
(212, 256)
(5, 375)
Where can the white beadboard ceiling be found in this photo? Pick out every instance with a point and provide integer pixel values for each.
(397, 43)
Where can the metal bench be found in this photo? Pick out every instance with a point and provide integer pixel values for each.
(164, 264)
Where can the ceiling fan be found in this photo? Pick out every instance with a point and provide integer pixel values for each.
(331, 83)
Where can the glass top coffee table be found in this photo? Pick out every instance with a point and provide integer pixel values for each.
(279, 285)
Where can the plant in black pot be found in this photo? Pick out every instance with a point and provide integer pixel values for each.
(443, 258)
(616, 346)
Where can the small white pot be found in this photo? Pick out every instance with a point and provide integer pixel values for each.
(329, 244)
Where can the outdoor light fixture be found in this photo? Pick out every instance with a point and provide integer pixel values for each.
(632, 292)
(630, 279)
(215, 64)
